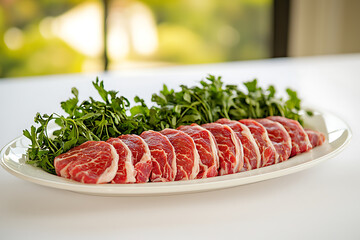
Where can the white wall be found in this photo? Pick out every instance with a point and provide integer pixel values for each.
(320, 27)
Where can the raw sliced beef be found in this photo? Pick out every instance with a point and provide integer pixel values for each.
(231, 156)
(141, 156)
(316, 138)
(268, 153)
(206, 147)
(299, 139)
(252, 157)
(187, 157)
(279, 137)
(91, 162)
(163, 156)
(126, 172)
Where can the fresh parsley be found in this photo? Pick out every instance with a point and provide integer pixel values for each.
(113, 116)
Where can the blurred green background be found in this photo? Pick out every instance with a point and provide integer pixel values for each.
(65, 36)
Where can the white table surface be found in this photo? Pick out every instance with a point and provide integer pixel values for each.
(322, 202)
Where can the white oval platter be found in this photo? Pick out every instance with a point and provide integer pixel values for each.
(337, 132)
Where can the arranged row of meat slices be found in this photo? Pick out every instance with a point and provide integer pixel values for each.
(189, 152)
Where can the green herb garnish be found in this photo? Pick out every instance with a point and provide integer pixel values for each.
(100, 120)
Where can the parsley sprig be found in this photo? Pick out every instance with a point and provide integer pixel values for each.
(213, 100)
(88, 120)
